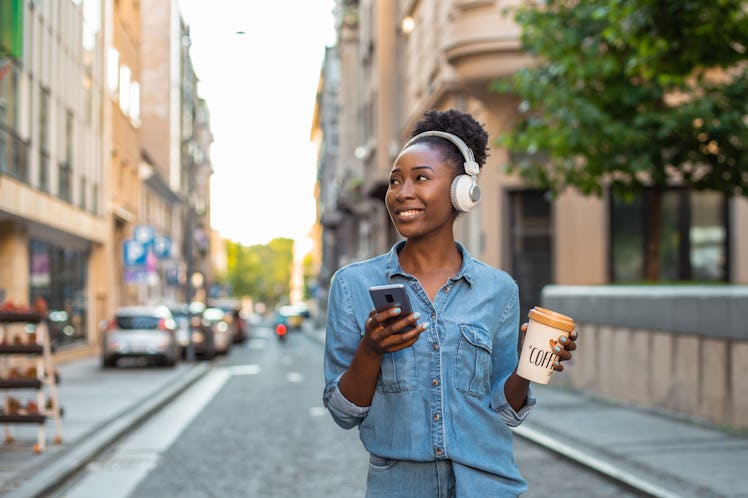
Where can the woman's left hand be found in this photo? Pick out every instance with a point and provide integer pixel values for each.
(563, 349)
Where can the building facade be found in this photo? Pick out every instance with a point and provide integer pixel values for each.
(54, 164)
(399, 59)
(104, 147)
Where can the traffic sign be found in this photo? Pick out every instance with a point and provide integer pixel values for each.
(162, 246)
(134, 253)
(144, 234)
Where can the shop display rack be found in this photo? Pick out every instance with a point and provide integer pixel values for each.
(26, 365)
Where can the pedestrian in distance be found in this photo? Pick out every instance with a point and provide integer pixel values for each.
(433, 404)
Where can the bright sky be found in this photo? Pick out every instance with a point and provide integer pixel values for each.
(260, 87)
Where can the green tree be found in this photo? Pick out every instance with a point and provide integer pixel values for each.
(262, 272)
(633, 94)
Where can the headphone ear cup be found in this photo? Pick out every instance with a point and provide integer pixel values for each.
(464, 193)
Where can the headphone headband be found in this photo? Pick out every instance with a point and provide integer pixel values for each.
(471, 167)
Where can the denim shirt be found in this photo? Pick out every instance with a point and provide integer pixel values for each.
(442, 398)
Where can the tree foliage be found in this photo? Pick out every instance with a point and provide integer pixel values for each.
(262, 272)
(631, 94)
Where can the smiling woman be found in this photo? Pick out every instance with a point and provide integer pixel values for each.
(261, 110)
(468, 315)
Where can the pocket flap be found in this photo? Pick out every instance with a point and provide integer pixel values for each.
(476, 336)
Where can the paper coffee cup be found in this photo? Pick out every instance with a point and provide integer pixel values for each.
(537, 356)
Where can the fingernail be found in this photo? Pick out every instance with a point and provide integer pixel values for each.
(396, 311)
(562, 340)
(574, 334)
(425, 325)
(416, 315)
(557, 349)
(555, 364)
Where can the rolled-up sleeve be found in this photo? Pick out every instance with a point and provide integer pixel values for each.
(345, 413)
(505, 361)
(341, 341)
(510, 416)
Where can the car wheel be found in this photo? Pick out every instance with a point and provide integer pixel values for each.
(108, 362)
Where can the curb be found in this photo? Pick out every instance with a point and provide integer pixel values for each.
(589, 461)
(90, 445)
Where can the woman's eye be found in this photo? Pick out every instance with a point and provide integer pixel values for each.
(421, 178)
(394, 181)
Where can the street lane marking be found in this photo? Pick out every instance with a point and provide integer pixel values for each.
(318, 411)
(244, 369)
(294, 377)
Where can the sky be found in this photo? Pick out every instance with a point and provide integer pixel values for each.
(258, 64)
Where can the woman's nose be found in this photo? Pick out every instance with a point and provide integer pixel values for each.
(406, 190)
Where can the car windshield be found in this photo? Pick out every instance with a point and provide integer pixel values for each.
(137, 322)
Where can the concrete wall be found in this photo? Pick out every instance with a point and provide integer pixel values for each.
(683, 349)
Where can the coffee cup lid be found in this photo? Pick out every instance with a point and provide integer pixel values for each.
(552, 318)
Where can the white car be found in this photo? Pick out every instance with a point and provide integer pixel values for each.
(140, 332)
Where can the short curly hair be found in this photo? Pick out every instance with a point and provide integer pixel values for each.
(457, 123)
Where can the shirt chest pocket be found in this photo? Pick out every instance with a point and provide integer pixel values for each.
(473, 361)
(398, 371)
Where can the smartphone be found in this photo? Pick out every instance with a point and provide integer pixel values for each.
(389, 296)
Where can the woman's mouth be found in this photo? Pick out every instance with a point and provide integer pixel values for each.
(408, 214)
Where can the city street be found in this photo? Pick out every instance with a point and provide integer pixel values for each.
(254, 426)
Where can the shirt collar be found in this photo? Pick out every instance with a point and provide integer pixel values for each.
(467, 271)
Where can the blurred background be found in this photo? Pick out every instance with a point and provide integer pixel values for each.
(155, 152)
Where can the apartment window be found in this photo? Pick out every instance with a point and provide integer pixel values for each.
(13, 150)
(693, 237)
(65, 177)
(112, 78)
(82, 193)
(124, 89)
(44, 140)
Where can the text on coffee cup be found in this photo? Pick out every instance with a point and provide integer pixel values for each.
(540, 357)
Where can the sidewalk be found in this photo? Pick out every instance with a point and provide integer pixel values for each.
(99, 407)
(659, 455)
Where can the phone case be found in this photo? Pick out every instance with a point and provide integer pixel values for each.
(389, 296)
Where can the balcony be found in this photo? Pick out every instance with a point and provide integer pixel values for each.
(483, 42)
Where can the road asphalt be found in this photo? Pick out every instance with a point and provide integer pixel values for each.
(659, 454)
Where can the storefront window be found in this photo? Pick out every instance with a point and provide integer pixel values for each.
(58, 275)
(693, 237)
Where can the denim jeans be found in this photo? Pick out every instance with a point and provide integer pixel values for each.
(389, 478)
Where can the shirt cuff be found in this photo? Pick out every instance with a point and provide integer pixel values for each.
(345, 413)
(513, 418)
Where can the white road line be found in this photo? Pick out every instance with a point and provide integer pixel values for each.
(119, 474)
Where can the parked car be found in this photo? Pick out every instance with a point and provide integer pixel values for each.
(182, 313)
(140, 332)
(216, 321)
(234, 317)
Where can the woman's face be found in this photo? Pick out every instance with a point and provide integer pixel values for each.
(418, 198)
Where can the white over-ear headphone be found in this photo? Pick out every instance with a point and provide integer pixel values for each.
(464, 191)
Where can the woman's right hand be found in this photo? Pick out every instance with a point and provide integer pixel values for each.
(381, 338)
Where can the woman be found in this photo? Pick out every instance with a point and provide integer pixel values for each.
(434, 405)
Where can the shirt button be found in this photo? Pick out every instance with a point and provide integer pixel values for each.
(446, 289)
(435, 382)
(436, 417)
(438, 451)
(435, 347)
(433, 316)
